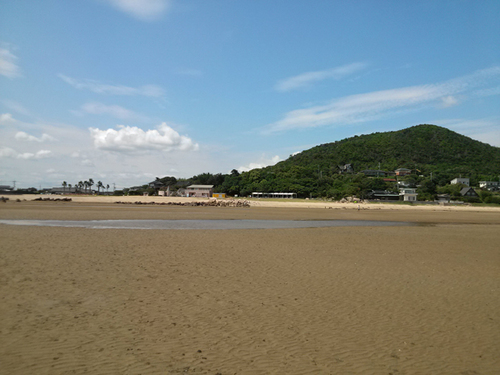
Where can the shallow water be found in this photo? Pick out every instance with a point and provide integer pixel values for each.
(202, 224)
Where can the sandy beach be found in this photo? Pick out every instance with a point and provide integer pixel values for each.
(421, 299)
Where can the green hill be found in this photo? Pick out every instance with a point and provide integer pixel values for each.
(422, 148)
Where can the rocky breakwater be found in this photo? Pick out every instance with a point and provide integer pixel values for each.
(209, 203)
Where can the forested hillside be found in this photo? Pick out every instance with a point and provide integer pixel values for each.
(434, 154)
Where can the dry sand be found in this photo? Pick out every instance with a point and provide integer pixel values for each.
(373, 300)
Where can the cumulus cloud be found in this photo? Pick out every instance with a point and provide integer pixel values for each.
(6, 152)
(22, 136)
(144, 10)
(112, 110)
(308, 78)
(134, 139)
(263, 162)
(8, 66)
(6, 118)
(374, 105)
(102, 88)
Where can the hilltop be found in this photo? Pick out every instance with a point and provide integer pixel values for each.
(428, 148)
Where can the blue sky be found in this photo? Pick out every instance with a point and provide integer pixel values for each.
(124, 91)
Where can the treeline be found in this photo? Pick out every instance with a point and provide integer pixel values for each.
(310, 183)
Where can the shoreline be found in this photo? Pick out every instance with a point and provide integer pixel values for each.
(292, 203)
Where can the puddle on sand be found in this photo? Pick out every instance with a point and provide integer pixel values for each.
(203, 224)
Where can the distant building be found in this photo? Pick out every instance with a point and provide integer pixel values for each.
(489, 185)
(63, 190)
(346, 168)
(459, 180)
(5, 188)
(443, 198)
(402, 172)
(200, 191)
(383, 195)
(468, 192)
(408, 194)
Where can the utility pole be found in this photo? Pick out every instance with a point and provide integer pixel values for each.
(14, 183)
(114, 186)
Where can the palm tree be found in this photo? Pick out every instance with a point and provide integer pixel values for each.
(107, 188)
(69, 187)
(64, 184)
(80, 185)
(90, 182)
(86, 185)
(99, 186)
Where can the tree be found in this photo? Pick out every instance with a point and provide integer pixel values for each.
(99, 186)
(107, 188)
(64, 184)
(90, 183)
(69, 185)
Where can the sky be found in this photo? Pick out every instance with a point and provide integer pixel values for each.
(123, 91)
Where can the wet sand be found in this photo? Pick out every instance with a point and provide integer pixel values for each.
(403, 300)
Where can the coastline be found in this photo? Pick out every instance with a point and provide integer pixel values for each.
(292, 203)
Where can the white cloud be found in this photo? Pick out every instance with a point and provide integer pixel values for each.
(6, 152)
(6, 118)
(306, 79)
(448, 101)
(263, 162)
(373, 105)
(113, 110)
(144, 10)
(133, 139)
(153, 91)
(8, 66)
(16, 107)
(22, 136)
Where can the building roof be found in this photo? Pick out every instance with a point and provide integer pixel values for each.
(465, 190)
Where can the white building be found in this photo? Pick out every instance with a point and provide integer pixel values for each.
(490, 185)
(459, 180)
(201, 191)
(409, 194)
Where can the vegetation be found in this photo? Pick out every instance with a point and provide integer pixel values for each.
(435, 156)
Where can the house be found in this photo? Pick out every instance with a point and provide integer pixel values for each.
(63, 190)
(402, 172)
(201, 191)
(468, 192)
(383, 195)
(346, 168)
(489, 185)
(459, 180)
(443, 198)
(408, 194)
